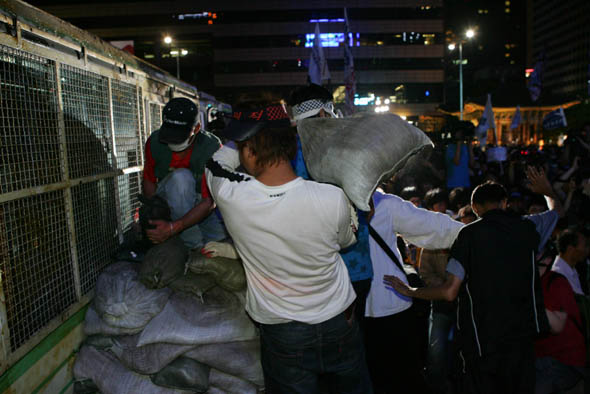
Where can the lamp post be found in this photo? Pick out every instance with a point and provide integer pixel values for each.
(469, 34)
(177, 52)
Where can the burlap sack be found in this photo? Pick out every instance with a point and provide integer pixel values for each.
(112, 377)
(194, 284)
(227, 273)
(357, 153)
(184, 374)
(185, 320)
(163, 263)
(122, 301)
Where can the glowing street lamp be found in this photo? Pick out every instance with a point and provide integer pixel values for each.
(468, 34)
(175, 52)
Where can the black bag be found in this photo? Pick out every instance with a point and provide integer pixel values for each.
(421, 307)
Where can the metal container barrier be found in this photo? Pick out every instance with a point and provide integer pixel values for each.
(74, 116)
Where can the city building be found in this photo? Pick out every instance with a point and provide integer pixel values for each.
(234, 47)
(559, 34)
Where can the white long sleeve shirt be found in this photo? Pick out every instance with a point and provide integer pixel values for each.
(425, 229)
(288, 238)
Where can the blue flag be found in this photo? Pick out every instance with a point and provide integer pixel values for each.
(554, 119)
(536, 81)
(516, 120)
(349, 77)
(318, 66)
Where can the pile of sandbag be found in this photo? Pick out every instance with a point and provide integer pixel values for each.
(191, 336)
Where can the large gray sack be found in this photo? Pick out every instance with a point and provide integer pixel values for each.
(112, 377)
(185, 374)
(148, 359)
(241, 359)
(195, 284)
(186, 320)
(357, 153)
(163, 263)
(227, 273)
(121, 300)
(230, 384)
(94, 325)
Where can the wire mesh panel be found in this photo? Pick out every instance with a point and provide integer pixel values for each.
(29, 142)
(87, 121)
(155, 116)
(38, 280)
(129, 190)
(95, 218)
(126, 123)
(142, 132)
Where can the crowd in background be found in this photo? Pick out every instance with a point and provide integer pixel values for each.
(443, 180)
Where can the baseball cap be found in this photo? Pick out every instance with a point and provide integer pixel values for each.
(178, 119)
(246, 123)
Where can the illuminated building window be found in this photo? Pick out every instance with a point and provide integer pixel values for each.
(506, 54)
(507, 3)
(507, 10)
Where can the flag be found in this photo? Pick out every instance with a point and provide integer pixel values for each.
(127, 46)
(485, 122)
(516, 120)
(536, 81)
(554, 119)
(318, 66)
(349, 77)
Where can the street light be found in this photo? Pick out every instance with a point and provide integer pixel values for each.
(178, 52)
(469, 34)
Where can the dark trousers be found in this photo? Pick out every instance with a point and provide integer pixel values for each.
(296, 355)
(510, 371)
(361, 288)
(395, 352)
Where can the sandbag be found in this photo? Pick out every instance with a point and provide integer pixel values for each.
(185, 374)
(122, 301)
(100, 341)
(230, 384)
(111, 377)
(228, 273)
(148, 359)
(357, 153)
(94, 325)
(85, 386)
(186, 320)
(193, 284)
(241, 359)
(163, 263)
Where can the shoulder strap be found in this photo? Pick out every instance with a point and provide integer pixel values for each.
(386, 248)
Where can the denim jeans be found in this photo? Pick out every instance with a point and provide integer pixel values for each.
(553, 376)
(439, 358)
(179, 189)
(295, 355)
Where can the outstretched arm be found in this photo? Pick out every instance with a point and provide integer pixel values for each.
(540, 184)
(447, 291)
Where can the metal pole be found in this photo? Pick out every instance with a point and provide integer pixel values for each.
(178, 64)
(461, 79)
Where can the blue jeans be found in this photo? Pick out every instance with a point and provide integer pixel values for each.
(439, 358)
(294, 356)
(179, 189)
(553, 376)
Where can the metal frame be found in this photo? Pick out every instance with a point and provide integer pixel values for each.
(150, 88)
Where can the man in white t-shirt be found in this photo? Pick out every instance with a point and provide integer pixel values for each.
(288, 232)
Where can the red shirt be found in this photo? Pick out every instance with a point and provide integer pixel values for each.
(568, 346)
(177, 161)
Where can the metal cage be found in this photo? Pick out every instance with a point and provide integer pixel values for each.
(74, 117)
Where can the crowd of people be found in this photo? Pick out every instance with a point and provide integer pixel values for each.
(466, 275)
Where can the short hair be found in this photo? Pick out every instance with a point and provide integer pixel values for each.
(409, 192)
(466, 211)
(434, 196)
(489, 192)
(458, 197)
(566, 239)
(310, 92)
(272, 145)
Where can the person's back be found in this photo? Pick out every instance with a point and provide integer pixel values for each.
(288, 232)
(497, 305)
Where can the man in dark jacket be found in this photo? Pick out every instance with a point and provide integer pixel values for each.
(492, 269)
